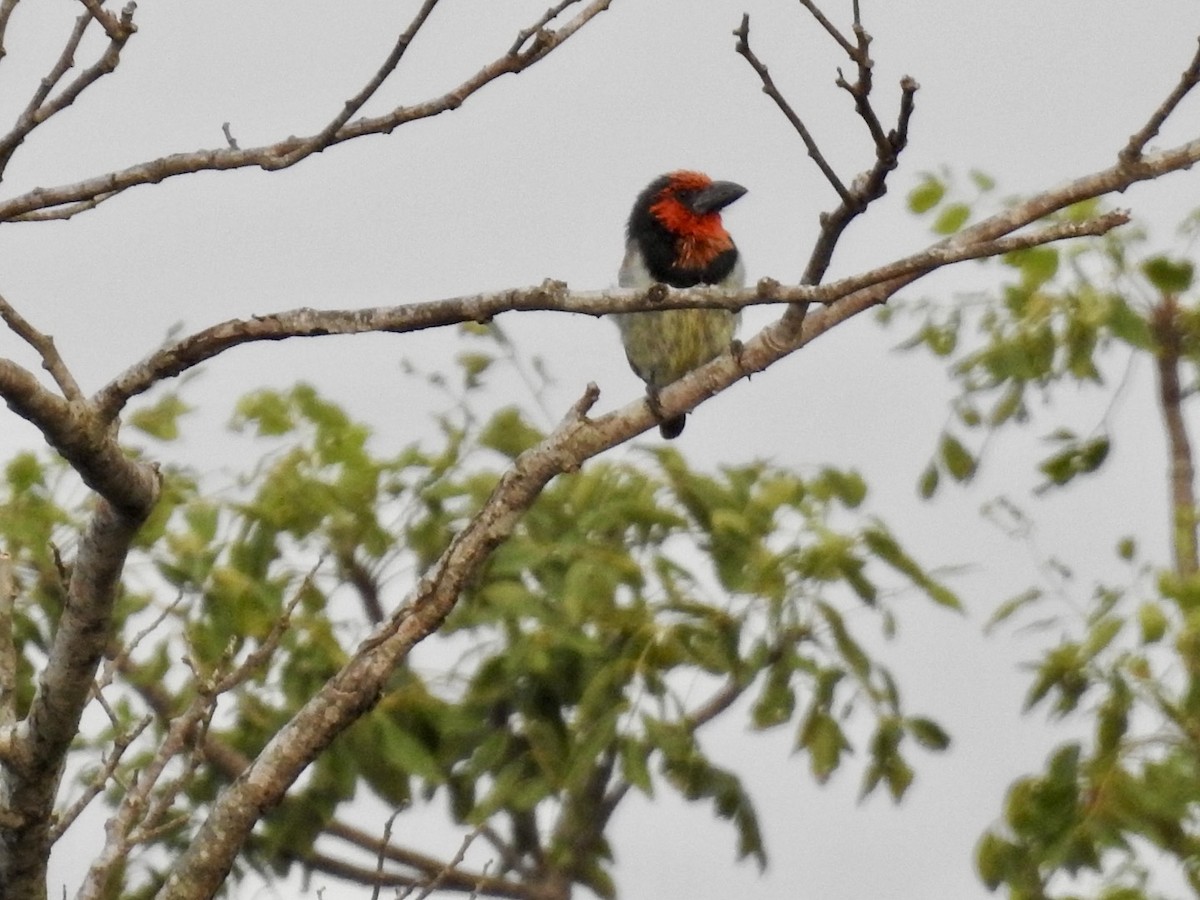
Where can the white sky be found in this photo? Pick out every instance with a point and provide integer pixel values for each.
(532, 178)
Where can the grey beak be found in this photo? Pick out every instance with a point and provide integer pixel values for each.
(716, 196)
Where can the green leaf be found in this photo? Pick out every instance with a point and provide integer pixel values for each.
(634, 766)
(848, 649)
(473, 365)
(822, 737)
(777, 701)
(928, 484)
(983, 182)
(849, 487)
(956, 457)
(1101, 635)
(1127, 548)
(1168, 275)
(926, 195)
(885, 547)
(928, 733)
(1128, 325)
(1153, 622)
(23, 472)
(1012, 606)
(1037, 265)
(160, 420)
(1075, 459)
(268, 411)
(509, 433)
(952, 218)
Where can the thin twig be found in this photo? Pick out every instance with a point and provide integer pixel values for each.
(322, 139)
(383, 845)
(99, 781)
(39, 108)
(843, 42)
(67, 211)
(867, 188)
(117, 29)
(27, 121)
(768, 85)
(6, 10)
(451, 866)
(52, 360)
(153, 171)
(425, 867)
(258, 657)
(1137, 143)
(549, 16)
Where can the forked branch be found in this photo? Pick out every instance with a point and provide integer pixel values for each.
(41, 106)
(68, 200)
(866, 187)
(1188, 80)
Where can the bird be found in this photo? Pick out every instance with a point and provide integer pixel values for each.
(675, 237)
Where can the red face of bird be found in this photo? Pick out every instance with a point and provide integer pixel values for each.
(690, 205)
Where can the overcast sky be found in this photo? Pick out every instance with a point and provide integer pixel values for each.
(533, 178)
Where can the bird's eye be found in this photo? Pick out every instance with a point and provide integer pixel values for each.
(686, 197)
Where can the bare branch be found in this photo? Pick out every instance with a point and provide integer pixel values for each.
(67, 211)
(35, 767)
(322, 139)
(132, 808)
(768, 85)
(39, 109)
(100, 779)
(117, 29)
(851, 49)
(192, 350)
(66, 60)
(52, 361)
(6, 10)
(1168, 328)
(8, 650)
(83, 438)
(270, 156)
(1188, 80)
(450, 867)
(867, 187)
(549, 16)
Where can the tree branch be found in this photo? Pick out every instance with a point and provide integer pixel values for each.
(290, 150)
(742, 33)
(1188, 80)
(1168, 334)
(8, 650)
(868, 186)
(43, 738)
(52, 361)
(6, 11)
(178, 357)
(83, 438)
(322, 139)
(39, 110)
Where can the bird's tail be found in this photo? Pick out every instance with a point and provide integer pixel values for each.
(672, 428)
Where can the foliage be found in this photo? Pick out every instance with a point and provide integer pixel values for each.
(569, 675)
(1122, 805)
